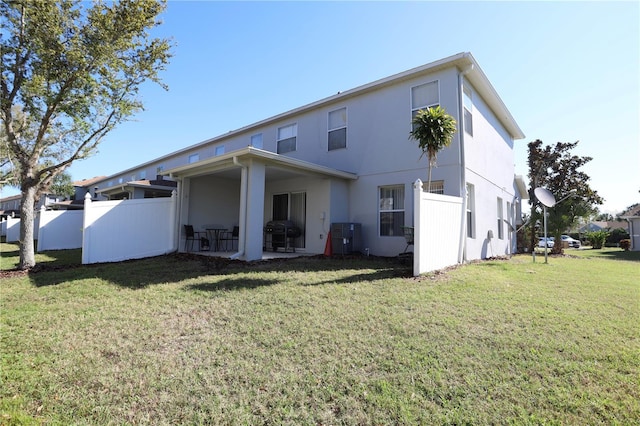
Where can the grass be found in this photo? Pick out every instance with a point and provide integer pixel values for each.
(176, 340)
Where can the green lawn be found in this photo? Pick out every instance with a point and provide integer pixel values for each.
(177, 340)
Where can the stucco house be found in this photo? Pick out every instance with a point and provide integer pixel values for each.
(348, 159)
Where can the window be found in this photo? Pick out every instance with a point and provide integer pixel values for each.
(471, 229)
(256, 141)
(337, 129)
(468, 108)
(437, 187)
(193, 158)
(287, 138)
(120, 180)
(219, 150)
(391, 210)
(143, 175)
(500, 217)
(423, 97)
(159, 169)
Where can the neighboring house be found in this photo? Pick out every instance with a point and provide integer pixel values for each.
(10, 206)
(348, 159)
(632, 216)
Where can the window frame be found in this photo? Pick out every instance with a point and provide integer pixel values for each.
(193, 158)
(280, 141)
(255, 138)
(331, 130)
(467, 104)
(470, 213)
(392, 210)
(438, 190)
(500, 217)
(415, 109)
(218, 150)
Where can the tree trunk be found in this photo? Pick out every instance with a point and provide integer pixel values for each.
(27, 248)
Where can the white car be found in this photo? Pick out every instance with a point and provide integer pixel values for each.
(572, 243)
(550, 242)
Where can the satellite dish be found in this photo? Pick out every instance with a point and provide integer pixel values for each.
(545, 196)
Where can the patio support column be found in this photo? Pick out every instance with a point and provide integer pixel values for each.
(254, 210)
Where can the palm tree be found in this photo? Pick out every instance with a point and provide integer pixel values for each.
(433, 128)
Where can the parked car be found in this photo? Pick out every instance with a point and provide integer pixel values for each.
(572, 243)
(550, 242)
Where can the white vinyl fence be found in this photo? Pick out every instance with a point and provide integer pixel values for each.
(60, 229)
(128, 229)
(3, 228)
(437, 231)
(13, 229)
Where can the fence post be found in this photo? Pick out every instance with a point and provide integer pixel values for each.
(174, 235)
(85, 234)
(417, 221)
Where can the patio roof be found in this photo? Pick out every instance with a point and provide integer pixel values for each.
(278, 166)
(153, 185)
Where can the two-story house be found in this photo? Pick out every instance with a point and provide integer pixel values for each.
(348, 158)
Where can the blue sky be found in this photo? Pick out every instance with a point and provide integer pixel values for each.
(567, 71)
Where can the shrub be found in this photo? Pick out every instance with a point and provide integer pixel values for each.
(616, 235)
(597, 238)
(625, 244)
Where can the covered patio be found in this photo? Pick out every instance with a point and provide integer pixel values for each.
(250, 187)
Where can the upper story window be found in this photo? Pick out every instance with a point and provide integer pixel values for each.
(160, 169)
(337, 129)
(256, 141)
(424, 96)
(287, 136)
(143, 175)
(468, 109)
(120, 180)
(193, 158)
(219, 150)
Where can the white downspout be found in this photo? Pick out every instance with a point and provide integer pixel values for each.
(243, 209)
(462, 248)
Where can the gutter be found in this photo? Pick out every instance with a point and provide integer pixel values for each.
(243, 209)
(462, 247)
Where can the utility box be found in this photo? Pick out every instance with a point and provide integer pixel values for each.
(346, 238)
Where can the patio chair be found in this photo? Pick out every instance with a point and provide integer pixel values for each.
(192, 236)
(229, 237)
(408, 236)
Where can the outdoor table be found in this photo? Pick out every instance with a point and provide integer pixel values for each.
(214, 234)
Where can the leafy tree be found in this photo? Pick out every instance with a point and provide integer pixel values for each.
(433, 128)
(62, 186)
(604, 217)
(73, 74)
(555, 168)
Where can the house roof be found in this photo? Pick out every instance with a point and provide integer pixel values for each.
(157, 185)
(632, 212)
(522, 187)
(88, 182)
(462, 61)
(279, 164)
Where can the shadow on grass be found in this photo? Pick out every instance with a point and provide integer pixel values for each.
(228, 284)
(141, 273)
(614, 254)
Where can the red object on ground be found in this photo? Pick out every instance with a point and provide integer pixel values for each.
(327, 248)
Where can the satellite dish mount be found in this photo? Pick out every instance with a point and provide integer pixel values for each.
(547, 199)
